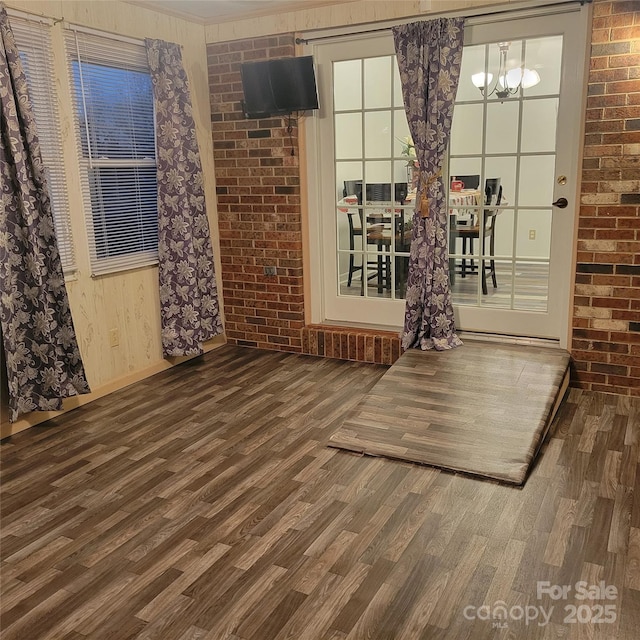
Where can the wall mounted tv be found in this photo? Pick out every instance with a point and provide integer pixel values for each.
(279, 86)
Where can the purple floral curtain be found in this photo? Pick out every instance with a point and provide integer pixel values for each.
(188, 290)
(429, 56)
(42, 356)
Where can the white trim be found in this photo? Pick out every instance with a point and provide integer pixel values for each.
(107, 266)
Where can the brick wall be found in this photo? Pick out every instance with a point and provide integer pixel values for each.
(258, 187)
(346, 343)
(606, 334)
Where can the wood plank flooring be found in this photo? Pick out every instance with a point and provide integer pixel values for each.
(203, 503)
(483, 408)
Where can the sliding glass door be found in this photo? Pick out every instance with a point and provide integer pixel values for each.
(513, 154)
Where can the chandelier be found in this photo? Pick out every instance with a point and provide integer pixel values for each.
(508, 82)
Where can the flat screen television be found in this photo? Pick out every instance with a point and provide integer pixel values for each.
(279, 86)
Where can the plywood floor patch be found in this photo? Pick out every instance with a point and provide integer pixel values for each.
(482, 409)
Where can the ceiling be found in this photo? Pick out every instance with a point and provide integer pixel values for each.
(215, 11)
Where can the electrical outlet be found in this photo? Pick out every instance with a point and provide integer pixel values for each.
(114, 337)
(270, 271)
(532, 234)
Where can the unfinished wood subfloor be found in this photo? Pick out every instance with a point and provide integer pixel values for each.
(204, 503)
(483, 408)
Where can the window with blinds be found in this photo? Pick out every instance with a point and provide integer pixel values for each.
(114, 116)
(33, 39)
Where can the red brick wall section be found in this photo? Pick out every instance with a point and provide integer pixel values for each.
(381, 347)
(258, 188)
(606, 334)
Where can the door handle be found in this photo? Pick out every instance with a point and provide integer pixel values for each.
(561, 203)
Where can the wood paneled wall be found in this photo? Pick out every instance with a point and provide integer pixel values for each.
(126, 301)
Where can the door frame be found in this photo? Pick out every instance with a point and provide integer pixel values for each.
(575, 76)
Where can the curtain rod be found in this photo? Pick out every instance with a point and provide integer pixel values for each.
(475, 15)
(103, 34)
(30, 17)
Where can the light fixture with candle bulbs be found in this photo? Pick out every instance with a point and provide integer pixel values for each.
(508, 82)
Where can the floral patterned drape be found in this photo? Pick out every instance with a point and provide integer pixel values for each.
(188, 291)
(43, 360)
(429, 55)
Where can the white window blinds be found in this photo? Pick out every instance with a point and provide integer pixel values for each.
(33, 39)
(114, 117)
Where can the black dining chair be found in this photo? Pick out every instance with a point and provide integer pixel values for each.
(493, 198)
(353, 188)
(385, 229)
(468, 182)
(378, 230)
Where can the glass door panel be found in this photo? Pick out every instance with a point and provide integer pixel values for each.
(505, 135)
(373, 233)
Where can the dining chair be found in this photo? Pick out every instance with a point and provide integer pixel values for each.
(385, 229)
(355, 217)
(493, 198)
(468, 182)
(378, 230)
(353, 188)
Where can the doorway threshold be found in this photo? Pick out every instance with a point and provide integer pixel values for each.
(506, 339)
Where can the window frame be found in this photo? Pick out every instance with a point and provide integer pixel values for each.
(89, 47)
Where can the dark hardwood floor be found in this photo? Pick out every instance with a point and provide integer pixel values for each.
(204, 503)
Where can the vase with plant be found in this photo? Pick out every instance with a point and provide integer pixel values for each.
(409, 151)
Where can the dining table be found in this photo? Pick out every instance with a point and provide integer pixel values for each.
(464, 205)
